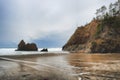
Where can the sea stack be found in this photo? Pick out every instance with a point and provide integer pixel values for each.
(22, 46)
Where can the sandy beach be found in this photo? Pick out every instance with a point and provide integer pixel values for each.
(96, 66)
(74, 66)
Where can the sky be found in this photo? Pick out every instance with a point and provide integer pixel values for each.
(48, 23)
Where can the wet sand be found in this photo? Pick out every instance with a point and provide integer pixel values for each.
(74, 66)
(96, 66)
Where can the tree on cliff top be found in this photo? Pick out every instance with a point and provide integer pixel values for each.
(114, 10)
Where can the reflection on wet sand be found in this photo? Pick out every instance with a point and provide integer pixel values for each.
(96, 66)
(74, 66)
(41, 68)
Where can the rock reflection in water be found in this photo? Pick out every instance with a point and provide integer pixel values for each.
(96, 66)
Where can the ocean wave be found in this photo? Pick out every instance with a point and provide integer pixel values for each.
(11, 51)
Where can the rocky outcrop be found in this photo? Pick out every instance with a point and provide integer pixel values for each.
(22, 46)
(96, 37)
(44, 50)
(81, 37)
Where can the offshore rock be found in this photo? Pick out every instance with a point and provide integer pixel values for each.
(22, 46)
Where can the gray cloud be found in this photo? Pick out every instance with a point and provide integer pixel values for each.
(36, 19)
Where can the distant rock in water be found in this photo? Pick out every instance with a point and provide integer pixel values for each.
(22, 46)
(44, 50)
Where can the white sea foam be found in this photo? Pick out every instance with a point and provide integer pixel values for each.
(11, 51)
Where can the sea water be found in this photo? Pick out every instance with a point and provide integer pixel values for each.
(11, 51)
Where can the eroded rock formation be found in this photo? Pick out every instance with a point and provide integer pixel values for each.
(22, 46)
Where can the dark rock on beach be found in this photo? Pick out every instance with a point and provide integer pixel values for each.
(44, 50)
(22, 46)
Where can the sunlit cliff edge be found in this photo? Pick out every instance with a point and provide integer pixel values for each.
(99, 36)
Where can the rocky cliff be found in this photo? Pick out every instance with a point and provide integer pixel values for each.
(99, 36)
(22, 46)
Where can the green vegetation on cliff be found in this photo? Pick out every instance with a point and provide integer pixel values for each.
(100, 35)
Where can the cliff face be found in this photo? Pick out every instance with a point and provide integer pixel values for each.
(97, 36)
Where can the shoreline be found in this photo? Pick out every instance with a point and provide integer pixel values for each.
(36, 67)
(33, 55)
(50, 66)
(47, 54)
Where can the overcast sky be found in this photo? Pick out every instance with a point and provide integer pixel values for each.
(49, 23)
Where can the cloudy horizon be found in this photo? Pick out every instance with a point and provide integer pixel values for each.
(48, 23)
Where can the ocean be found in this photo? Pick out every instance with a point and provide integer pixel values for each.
(11, 51)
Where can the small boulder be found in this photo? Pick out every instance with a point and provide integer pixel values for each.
(44, 50)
